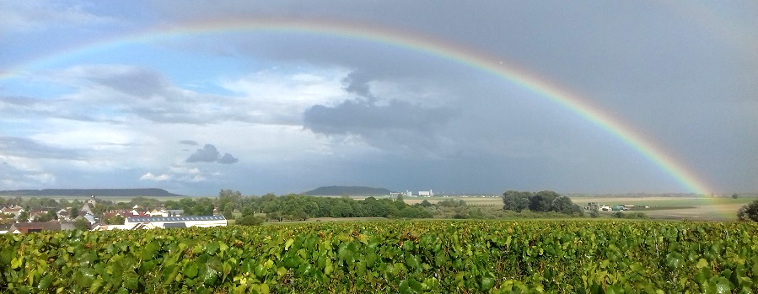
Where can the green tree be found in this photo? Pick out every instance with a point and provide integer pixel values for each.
(74, 213)
(227, 196)
(542, 200)
(735, 196)
(563, 204)
(23, 216)
(228, 210)
(115, 220)
(81, 224)
(274, 216)
(515, 200)
(748, 212)
(6, 218)
(46, 217)
(249, 220)
(300, 215)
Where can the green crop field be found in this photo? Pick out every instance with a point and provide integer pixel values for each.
(391, 257)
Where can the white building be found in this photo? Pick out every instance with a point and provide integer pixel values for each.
(179, 222)
(429, 193)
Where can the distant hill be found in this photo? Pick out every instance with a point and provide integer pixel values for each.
(348, 190)
(88, 192)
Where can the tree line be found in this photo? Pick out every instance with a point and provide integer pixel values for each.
(542, 201)
(301, 207)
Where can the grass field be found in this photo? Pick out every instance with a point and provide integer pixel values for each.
(691, 208)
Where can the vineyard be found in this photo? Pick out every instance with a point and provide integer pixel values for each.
(390, 257)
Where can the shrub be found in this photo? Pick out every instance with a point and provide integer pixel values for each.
(249, 220)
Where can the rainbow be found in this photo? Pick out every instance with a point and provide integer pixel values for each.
(424, 44)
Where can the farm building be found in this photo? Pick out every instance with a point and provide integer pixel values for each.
(25, 228)
(179, 222)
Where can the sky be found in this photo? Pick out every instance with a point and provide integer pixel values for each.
(457, 97)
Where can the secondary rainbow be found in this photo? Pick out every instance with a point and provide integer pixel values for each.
(441, 49)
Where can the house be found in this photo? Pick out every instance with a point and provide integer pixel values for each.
(175, 212)
(165, 212)
(90, 218)
(63, 214)
(14, 210)
(158, 212)
(135, 213)
(68, 226)
(25, 228)
(175, 222)
(86, 208)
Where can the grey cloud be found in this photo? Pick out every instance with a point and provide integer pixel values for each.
(357, 82)
(29, 148)
(188, 142)
(132, 80)
(209, 153)
(397, 123)
(227, 159)
(14, 178)
(159, 100)
(356, 116)
(140, 83)
(18, 101)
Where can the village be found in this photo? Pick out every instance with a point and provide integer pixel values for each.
(15, 219)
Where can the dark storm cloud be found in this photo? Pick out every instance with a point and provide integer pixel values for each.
(209, 153)
(358, 117)
(24, 147)
(396, 123)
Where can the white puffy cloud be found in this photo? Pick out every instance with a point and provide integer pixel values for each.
(157, 178)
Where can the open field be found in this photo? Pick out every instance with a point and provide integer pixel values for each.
(691, 208)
